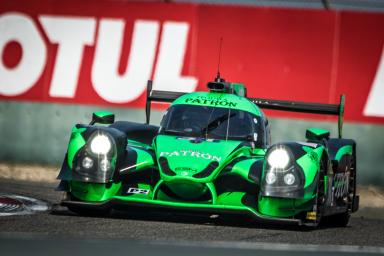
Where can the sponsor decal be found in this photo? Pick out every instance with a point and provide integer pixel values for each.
(211, 102)
(73, 35)
(104, 55)
(340, 185)
(138, 191)
(191, 153)
(311, 215)
(185, 169)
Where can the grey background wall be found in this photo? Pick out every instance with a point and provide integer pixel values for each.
(39, 133)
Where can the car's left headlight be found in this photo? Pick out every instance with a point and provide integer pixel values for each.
(96, 161)
(100, 144)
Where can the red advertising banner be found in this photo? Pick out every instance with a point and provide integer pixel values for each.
(103, 52)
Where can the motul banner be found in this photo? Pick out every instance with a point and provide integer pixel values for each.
(103, 52)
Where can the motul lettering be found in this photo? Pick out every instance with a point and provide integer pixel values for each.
(73, 34)
(104, 55)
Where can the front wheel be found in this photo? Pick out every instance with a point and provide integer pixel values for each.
(338, 220)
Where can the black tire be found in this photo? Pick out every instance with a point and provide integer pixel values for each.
(338, 220)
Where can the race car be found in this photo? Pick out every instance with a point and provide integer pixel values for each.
(212, 154)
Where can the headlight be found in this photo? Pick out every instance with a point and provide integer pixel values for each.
(278, 158)
(105, 165)
(100, 144)
(87, 162)
(270, 178)
(289, 179)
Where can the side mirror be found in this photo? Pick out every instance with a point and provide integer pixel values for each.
(316, 134)
(102, 117)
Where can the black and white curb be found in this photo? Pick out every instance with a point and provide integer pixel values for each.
(20, 205)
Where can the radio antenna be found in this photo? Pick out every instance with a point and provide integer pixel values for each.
(218, 78)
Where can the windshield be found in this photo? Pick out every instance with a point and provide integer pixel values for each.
(210, 122)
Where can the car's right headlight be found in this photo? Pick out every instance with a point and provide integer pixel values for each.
(282, 176)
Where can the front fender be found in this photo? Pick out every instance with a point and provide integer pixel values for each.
(79, 149)
(285, 200)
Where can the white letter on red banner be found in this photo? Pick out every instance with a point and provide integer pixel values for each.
(19, 79)
(171, 58)
(105, 77)
(375, 101)
(71, 35)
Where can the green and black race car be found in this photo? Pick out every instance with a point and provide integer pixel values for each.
(212, 155)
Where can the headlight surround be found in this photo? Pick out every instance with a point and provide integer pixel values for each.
(96, 162)
(282, 176)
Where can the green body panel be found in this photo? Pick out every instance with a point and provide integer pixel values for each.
(137, 144)
(239, 89)
(94, 192)
(231, 198)
(76, 142)
(242, 168)
(103, 113)
(310, 163)
(144, 159)
(216, 99)
(317, 134)
(345, 150)
(279, 207)
(318, 131)
(187, 158)
(178, 204)
(187, 189)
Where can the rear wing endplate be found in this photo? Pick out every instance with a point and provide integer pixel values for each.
(293, 106)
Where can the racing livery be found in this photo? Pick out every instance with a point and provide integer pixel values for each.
(212, 154)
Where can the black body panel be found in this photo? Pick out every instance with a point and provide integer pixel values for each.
(136, 131)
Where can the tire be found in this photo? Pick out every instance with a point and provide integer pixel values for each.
(339, 220)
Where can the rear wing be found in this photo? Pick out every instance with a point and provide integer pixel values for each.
(293, 106)
(305, 107)
(158, 96)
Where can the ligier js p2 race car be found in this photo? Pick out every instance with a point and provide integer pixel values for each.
(211, 154)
